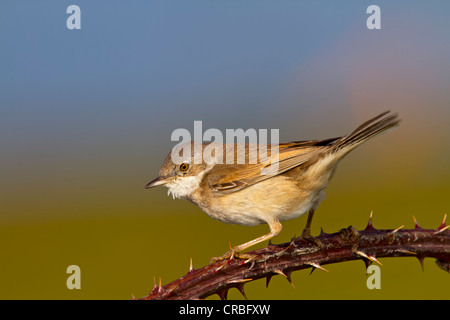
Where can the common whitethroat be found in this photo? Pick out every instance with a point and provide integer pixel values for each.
(241, 194)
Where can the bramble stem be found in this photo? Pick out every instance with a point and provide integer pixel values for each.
(345, 245)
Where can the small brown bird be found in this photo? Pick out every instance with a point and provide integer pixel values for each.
(241, 194)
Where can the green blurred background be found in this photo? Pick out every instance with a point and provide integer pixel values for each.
(86, 117)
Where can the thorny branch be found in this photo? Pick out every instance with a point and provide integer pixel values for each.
(345, 245)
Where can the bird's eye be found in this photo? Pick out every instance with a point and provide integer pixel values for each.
(184, 167)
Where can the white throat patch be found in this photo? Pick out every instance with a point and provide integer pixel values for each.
(182, 187)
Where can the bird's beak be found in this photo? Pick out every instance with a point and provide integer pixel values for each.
(157, 182)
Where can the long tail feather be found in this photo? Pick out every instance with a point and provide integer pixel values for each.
(367, 130)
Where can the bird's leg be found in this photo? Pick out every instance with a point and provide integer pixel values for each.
(306, 234)
(307, 231)
(275, 229)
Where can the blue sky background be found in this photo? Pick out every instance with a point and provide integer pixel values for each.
(74, 102)
(86, 117)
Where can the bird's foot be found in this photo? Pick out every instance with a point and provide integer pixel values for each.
(230, 255)
(306, 235)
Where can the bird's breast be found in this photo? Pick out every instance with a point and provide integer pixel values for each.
(279, 197)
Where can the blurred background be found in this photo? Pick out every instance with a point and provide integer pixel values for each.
(86, 118)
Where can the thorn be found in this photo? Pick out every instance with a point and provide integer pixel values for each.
(406, 251)
(220, 267)
(442, 227)
(285, 249)
(232, 254)
(268, 280)
(133, 297)
(362, 254)
(394, 231)
(288, 277)
(240, 287)
(367, 263)
(369, 224)
(416, 225)
(159, 287)
(240, 280)
(290, 245)
(442, 230)
(322, 233)
(223, 294)
(373, 258)
(443, 223)
(317, 266)
(191, 268)
(421, 258)
(250, 259)
(171, 290)
(154, 284)
(280, 272)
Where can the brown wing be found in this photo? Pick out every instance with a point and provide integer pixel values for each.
(230, 178)
(233, 177)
